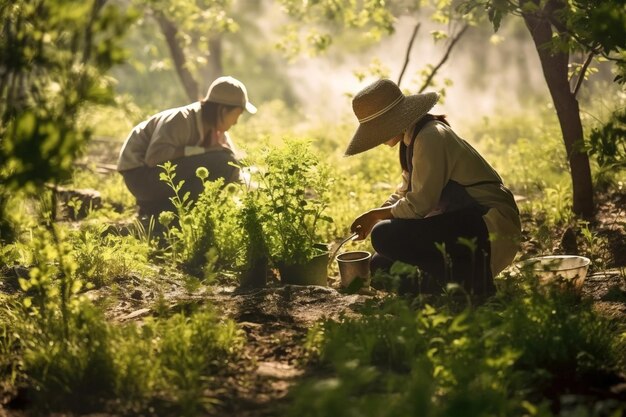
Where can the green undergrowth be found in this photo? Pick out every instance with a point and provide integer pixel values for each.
(59, 352)
(80, 362)
(520, 354)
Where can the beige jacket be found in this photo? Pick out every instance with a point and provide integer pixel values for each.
(439, 155)
(164, 136)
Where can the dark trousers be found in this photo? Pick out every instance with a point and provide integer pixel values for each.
(423, 242)
(153, 195)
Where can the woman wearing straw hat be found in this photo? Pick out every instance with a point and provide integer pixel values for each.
(451, 217)
(191, 136)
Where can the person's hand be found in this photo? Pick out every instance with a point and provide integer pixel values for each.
(364, 224)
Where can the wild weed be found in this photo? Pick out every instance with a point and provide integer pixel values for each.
(561, 340)
(256, 264)
(101, 257)
(68, 367)
(595, 247)
(10, 359)
(189, 350)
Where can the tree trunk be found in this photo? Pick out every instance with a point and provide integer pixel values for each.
(170, 31)
(555, 71)
(87, 47)
(215, 68)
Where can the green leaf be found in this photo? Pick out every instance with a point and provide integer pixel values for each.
(355, 285)
(459, 323)
(24, 284)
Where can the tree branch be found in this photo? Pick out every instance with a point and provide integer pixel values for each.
(581, 76)
(87, 47)
(408, 51)
(455, 39)
(170, 32)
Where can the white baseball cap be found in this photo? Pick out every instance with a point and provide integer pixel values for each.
(230, 91)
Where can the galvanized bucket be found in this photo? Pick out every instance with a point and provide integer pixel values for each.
(352, 265)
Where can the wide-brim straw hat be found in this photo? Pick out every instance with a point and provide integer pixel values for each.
(383, 112)
(230, 91)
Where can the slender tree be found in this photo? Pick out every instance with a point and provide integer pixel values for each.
(193, 33)
(559, 28)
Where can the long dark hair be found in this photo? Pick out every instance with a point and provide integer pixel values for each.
(427, 118)
(211, 109)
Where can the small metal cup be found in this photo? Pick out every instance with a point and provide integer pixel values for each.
(352, 265)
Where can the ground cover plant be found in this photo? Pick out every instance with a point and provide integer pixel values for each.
(520, 354)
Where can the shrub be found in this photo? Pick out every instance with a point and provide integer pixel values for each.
(295, 196)
(200, 227)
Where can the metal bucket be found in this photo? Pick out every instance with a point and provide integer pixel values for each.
(352, 265)
(567, 269)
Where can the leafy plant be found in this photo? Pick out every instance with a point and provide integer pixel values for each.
(257, 252)
(595, 246)
(295, 187)
(185, 234)
(52, 66)
(199, 227)
(608, 142)
(442, 359)
(189, 350)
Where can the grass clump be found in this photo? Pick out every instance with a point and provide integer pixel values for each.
(84, 363)
(190, 350)
(59, 353)
(102, 257)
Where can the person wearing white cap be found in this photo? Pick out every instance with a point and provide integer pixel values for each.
(451, 217)
(191, 136)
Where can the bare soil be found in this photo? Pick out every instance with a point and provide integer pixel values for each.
(275, 321)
